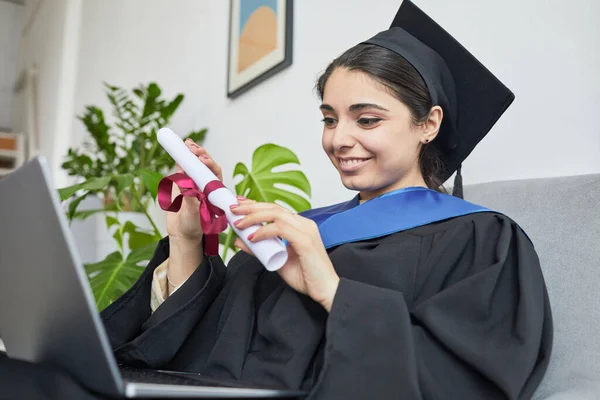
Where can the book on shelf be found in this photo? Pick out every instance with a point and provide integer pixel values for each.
(12, 151)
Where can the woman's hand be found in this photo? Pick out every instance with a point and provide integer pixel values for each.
(184, 229)
(185, 223)
(308, 269)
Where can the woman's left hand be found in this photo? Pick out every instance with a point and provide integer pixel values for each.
(308, 269)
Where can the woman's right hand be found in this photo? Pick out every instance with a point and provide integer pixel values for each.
(185, 224)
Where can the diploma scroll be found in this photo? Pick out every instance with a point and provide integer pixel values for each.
(272, 253)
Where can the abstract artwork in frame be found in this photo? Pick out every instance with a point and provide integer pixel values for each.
(260, 42)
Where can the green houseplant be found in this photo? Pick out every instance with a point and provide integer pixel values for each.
(121, 163)
(123, 160)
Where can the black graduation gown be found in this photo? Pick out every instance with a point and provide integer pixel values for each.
(451, 310)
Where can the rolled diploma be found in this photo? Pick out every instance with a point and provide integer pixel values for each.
(272, 253)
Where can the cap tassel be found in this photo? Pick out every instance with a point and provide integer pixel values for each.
(457, 190)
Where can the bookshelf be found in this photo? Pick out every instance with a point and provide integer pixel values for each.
(12, 152)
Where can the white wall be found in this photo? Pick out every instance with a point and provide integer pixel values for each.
(10, 32)
(164, 42)
(49, 44)
(545, 51)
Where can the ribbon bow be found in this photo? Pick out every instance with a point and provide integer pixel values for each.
(212, 218)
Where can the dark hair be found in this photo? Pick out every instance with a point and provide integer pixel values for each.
(405, 83)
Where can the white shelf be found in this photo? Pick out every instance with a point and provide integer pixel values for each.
(16, 157)
(5, 171)
(9, 153)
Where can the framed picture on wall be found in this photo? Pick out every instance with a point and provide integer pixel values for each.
(260, 42)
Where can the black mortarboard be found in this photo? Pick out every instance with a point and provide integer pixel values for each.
(471, 96)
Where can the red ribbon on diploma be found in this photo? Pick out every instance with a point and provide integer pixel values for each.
(212, 218)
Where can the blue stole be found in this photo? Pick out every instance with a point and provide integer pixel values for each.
(389, 213)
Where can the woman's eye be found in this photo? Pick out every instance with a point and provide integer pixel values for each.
(329, 122)
(368, 121)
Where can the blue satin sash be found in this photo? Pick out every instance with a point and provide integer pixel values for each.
(392, 212)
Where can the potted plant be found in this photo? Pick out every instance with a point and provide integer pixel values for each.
(121, 163)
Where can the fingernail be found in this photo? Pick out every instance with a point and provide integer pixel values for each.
(241, 198)
(250, 236)
(231, 207)
(236, 223)
(205, 156)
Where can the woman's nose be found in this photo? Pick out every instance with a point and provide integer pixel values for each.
(342, 137)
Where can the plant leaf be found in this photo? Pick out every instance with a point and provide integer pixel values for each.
(170, 108)
(123, 182)
(261, 183)
(138, 92)
(292, 178)
(137, 236)
(72, 209)
(153, 92)
(143, 253)
(110, 221)
(269, 156)
(93, 119)
(95, 184)
(113, 276)
(150, 179)
(83, 214)
(69, 191)
(92, 184)
(139, 239)
(119, 237)
(226, 239)
(295, 201)
(198, 136)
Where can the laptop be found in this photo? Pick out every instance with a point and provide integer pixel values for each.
(47, 309)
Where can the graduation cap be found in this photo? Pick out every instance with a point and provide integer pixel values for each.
(472, 98)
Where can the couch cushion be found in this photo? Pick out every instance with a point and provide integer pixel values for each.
(562, 217)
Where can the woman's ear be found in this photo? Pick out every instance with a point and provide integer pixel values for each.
(431, 127)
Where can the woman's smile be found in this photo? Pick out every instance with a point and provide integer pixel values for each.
(348, 164)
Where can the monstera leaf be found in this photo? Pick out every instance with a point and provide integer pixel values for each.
(114, 275)
(260, 183)
(266, 184)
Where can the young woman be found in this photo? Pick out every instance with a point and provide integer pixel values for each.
(402, 292)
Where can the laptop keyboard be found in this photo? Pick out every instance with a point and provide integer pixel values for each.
(135, 375)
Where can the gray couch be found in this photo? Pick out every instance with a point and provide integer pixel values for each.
(562, 217)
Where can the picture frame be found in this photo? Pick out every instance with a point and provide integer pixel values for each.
(260, 42)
